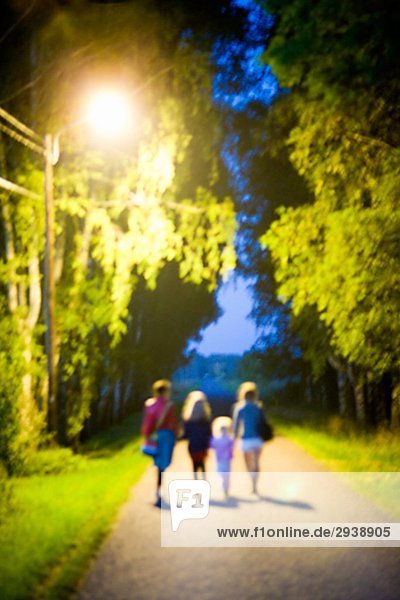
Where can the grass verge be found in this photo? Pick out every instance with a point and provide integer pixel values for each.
(56, 522)
(375, 455)
(345, 450)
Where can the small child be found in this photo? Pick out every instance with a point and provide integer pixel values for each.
(222, 444)
(197, 424)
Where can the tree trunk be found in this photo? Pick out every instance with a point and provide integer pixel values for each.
(395, 416)
(386, 398)
(127, 391)
(12, 288)
(357, 383)
(341, 384)
(309, 390)
(31, 421)
(360, 402)
(341, 381)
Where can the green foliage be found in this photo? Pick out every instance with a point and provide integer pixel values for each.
(124, 210)
(58, 521)
(21, 250)
(343, 449)
(5, 493)
(333, 50)
(12, 369)
(336, 259)
(51, 462)
(345, 263)
(133, 213)
(150, 349)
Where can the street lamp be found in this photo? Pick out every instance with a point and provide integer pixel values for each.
(109, 113)
(49, 283)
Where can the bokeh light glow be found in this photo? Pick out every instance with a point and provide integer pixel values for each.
(110, 113)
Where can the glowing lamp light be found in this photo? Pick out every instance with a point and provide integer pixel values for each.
(109, 113)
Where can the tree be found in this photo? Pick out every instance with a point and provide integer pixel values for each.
(337, 256)
(161, 323)
(122, 217)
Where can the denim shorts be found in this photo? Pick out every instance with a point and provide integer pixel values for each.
(251, 444)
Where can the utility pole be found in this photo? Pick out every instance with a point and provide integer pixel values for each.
(49, 285)
(109, 109)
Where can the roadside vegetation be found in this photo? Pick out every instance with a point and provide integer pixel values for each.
(55, 519)
(344, 448)
(341, 447)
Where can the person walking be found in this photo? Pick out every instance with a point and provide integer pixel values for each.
(248, 422)
(222, 443)
(196, 416)
(159, 428)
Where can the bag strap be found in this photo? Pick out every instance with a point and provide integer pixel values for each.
(161, 418)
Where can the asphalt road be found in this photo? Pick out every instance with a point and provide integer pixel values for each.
(132, 566)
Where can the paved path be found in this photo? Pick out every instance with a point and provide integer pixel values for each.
(132, 566)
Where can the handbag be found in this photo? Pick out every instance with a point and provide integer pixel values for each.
(150, 445)
(266, 429)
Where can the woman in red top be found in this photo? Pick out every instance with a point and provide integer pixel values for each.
(160, 417)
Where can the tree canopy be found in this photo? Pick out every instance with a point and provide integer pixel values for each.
(125, 211)
(337, 255)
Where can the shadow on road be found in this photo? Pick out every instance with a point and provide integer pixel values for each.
(230, 502)
(234, 502)
(289, 503)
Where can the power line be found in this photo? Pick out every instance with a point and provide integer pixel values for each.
(19, 125)
(25, 136)
(18, 189)
(21, 139)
